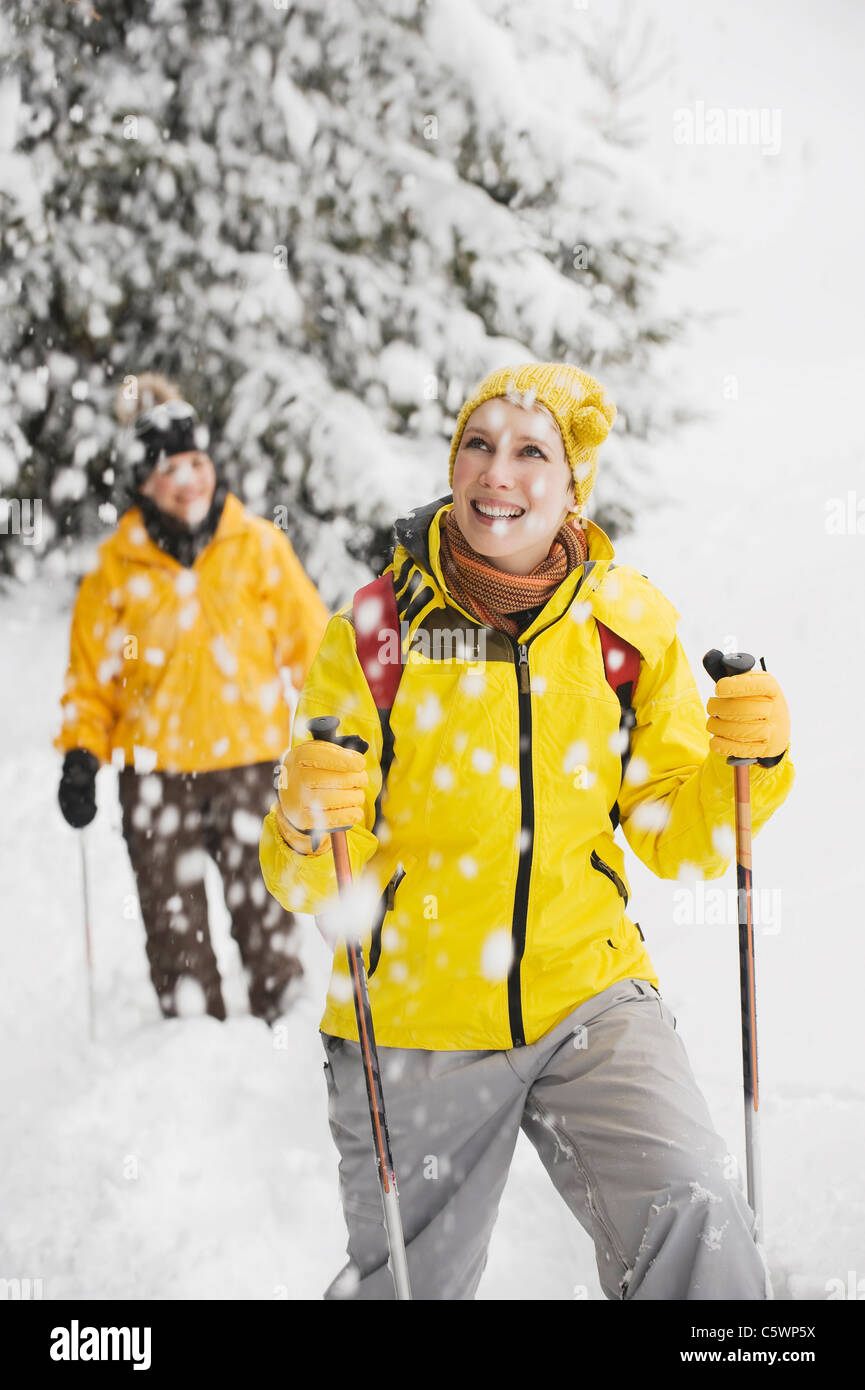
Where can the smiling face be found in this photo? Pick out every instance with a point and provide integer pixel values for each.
(512, 484)
(182, 486)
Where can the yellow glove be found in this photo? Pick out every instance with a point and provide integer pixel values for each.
(748, 716)
(321, 787)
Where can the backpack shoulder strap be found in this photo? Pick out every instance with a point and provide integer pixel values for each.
(376, 630)
(621, 668)
(375, 621)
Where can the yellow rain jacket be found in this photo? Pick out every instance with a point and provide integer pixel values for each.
(183, 664)
(505, 888)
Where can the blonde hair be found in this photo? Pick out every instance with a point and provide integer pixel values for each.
(139, 393)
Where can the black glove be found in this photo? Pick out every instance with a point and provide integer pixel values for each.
(77, 793)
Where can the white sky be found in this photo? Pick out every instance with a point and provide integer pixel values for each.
(792, 222)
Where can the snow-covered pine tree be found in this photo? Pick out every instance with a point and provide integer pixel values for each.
(325, 221)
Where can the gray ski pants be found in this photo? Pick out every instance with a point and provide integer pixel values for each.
(610, 1103)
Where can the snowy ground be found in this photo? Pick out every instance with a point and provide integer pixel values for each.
(192, 1159)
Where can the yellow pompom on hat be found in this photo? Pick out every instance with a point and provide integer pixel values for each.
(576, 401)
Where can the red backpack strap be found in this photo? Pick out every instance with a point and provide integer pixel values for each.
(621, 662)
(621, 668)
(377, 636)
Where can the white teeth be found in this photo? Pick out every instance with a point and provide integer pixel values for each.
(488, 509)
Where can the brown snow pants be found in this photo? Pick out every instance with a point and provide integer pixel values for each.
(171, 821)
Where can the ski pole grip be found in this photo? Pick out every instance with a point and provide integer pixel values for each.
(323, 730)
(719, 664)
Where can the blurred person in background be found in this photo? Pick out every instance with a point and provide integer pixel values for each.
(180, 637)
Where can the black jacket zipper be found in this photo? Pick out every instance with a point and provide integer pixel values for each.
(527, 838)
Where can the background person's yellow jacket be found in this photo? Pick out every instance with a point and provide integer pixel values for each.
(473, 952)
(185, 662)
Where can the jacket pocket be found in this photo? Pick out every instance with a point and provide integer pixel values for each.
(602, 868)
(388, 900)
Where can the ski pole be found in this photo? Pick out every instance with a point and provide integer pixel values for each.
(719, 664)
(324, 730)
(85, 886)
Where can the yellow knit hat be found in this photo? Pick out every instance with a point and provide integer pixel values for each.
(575, 400)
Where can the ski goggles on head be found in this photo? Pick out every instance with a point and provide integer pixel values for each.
(172, 427)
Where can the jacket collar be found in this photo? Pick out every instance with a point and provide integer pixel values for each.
(419, 535)
(412, 532)
(618, 596)
(132, 542)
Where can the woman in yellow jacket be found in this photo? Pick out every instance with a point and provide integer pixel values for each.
(179, 638)
(509, 986)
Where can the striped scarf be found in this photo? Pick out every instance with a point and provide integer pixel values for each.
(490, 593)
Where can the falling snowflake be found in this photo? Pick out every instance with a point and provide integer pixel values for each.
(576, 755)
(369, 615)
(429, 713)
(468, 866)
(143, 759)
(340, 990)
(224, 656)
(150, 790)
(186, 583)
(268, 694)
(189, 998)
(246, 827)
(650, 815)
(169, 820)
(689, 873)
(190, 867)
(497, 955)
(108, 669)
(482, 760)
(724, 840)
(473, 683)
